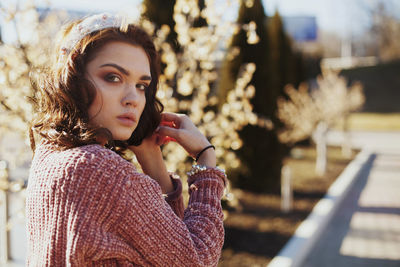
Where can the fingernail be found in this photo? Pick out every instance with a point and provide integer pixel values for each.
(157, 129)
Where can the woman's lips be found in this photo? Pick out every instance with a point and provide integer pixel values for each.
(126, 120)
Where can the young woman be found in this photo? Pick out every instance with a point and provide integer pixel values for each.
(87, 205)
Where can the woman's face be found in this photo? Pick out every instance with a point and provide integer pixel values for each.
(121, 74)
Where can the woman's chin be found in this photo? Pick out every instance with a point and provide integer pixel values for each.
(121, 139)
(122, 136)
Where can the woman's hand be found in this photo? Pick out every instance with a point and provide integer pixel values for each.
(181, 128)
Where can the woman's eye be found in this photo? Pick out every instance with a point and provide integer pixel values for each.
(142, 87)
(112, 78)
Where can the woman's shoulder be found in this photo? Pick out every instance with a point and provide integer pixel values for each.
(89, 157)
(95, 153)
(103, 167)
(91, 165)
(98, 157)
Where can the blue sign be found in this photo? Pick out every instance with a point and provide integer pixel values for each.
(301, 28)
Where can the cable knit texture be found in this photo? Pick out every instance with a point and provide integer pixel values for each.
(87, 206)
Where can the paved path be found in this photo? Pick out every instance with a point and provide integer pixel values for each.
(365, 230)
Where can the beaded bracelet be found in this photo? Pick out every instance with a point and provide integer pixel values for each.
(200, 168)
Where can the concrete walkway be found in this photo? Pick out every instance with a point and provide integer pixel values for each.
(363, 228)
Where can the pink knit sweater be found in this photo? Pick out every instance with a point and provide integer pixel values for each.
(87, 206)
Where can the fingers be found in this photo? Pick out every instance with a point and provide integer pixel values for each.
(168, 121)
(164, 135)
(163, 140)
(174, 118)
(169, 124)
(168, 116)
(167, 132)
(182, 130)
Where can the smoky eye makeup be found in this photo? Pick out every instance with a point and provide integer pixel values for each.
(112, 77)
(114, 74)
(142, 86)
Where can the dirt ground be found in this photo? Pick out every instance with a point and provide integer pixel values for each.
(256, 229)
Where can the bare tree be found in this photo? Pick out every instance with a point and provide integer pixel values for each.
(387, 29)
(382, 38)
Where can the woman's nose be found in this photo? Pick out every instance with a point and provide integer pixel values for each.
(131, 96)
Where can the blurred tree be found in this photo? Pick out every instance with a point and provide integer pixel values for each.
(160, 12)
(386, 29)
(192, 69)
(381, 38)
(200, 20)
(285, 61)
(261, 154)
(306, 114)
(17, 59)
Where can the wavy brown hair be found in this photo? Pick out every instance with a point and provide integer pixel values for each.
(63, 95)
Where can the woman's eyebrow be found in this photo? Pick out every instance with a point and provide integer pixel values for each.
(121, 69)
(145, 78)
(124, 71)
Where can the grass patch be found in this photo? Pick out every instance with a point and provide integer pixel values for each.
(372, 122)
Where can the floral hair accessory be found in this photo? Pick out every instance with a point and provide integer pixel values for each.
(87, 26)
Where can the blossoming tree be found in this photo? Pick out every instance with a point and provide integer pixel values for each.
(307, 114)
(193, 70)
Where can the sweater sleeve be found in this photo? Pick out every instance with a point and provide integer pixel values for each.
(159, 236)
(175, 199)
